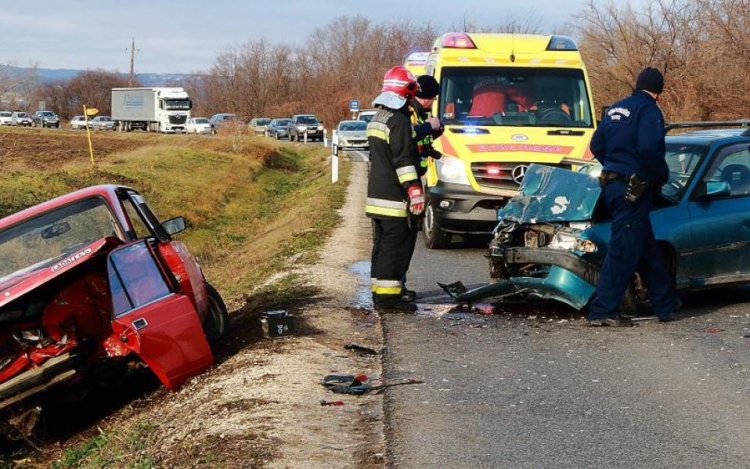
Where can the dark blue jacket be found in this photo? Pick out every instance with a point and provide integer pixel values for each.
(630, 139)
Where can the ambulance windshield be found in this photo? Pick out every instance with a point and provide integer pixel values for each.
(514, 96)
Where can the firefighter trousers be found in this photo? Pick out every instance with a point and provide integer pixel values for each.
(392, 247)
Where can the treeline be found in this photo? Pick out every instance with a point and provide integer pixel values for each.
(701, 46)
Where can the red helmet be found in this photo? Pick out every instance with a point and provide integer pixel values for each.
(401, 81)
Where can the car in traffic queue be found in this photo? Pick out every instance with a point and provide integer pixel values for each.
(5, 118)
(305, 127)
(20, 118)
(259, 125)
(223, 118)
(199, 125)
(366, 115)
(45, 119)
(94, 287)
(552, 237)
(102, 123)
(277, 128)
(350, 135)
(79, 123)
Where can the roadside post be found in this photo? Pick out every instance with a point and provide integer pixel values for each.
(305, 137)
(325, 138)
(86, 114)
(334, 161)
(334, 169)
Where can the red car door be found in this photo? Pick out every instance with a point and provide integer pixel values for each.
(160, 325)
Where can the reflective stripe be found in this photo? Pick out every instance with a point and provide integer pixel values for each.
(372, 284)
(387, 287)
(379, 130)
(406, 174)
(387, 212)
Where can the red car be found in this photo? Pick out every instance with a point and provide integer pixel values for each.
(92, 283)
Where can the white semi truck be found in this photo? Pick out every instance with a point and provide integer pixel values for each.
(151, 109)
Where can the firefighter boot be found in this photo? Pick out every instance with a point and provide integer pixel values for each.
(393, 304)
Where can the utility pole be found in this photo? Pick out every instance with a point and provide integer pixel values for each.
(132, 60)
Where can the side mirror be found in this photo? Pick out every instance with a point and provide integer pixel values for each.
(174, 225)
(712, 190)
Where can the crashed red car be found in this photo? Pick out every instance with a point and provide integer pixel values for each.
(91, 285)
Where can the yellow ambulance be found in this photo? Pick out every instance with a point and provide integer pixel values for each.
(506, 100)
(415, 62)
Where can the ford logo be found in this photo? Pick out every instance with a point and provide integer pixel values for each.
(519, 137)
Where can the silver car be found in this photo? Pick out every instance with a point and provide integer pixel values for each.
(350, 134)
(102, 123)
(20, 118)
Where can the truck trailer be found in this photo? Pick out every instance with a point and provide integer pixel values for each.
(152, 109)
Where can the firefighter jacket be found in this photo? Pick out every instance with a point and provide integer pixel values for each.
(393, 163)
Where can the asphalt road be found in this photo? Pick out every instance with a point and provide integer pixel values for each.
(533, 387)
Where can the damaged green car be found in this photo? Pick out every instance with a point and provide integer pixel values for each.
(552, 238)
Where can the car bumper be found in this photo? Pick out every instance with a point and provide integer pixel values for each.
(461, 210)
(560, 275)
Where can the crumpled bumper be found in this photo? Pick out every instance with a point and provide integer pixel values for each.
(558, 285)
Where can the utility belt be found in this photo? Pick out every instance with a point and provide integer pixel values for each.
(636, 186)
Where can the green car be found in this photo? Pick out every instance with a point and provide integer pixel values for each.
(553, 236)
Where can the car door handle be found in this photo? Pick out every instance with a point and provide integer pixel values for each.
(139, 324)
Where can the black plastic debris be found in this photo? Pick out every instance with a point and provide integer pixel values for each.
(347, 384)
(361, 349)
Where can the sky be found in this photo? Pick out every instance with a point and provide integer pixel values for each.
(186, 36)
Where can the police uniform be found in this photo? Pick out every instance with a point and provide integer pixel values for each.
(630, 141)
(393, 168)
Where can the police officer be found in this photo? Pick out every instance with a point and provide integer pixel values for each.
(426, 130)
(394, 189)
(630, 145)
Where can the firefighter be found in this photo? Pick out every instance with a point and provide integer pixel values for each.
(426, 130)
(394, 189)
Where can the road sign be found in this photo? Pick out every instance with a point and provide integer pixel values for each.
(353, 105)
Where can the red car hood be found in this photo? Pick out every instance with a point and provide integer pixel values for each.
(19, 283)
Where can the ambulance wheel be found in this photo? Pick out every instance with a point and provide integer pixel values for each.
(216, 324)
(434, 236)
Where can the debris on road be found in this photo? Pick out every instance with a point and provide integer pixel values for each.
(324, 403)
(360, 384)
(363, 350)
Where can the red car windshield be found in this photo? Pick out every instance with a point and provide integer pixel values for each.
(39, 241)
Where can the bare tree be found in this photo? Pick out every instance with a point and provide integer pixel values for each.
(16, 86)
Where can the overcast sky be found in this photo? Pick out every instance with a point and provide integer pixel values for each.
(186, 36)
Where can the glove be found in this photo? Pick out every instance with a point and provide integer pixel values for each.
(434, 154)
(416, 199)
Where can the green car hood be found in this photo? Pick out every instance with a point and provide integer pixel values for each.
(550, 194)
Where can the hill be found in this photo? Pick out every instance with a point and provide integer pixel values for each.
(49, 75)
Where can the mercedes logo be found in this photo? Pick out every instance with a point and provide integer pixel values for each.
(518, 173)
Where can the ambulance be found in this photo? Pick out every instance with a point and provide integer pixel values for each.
(415, 62)
(506, 101)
